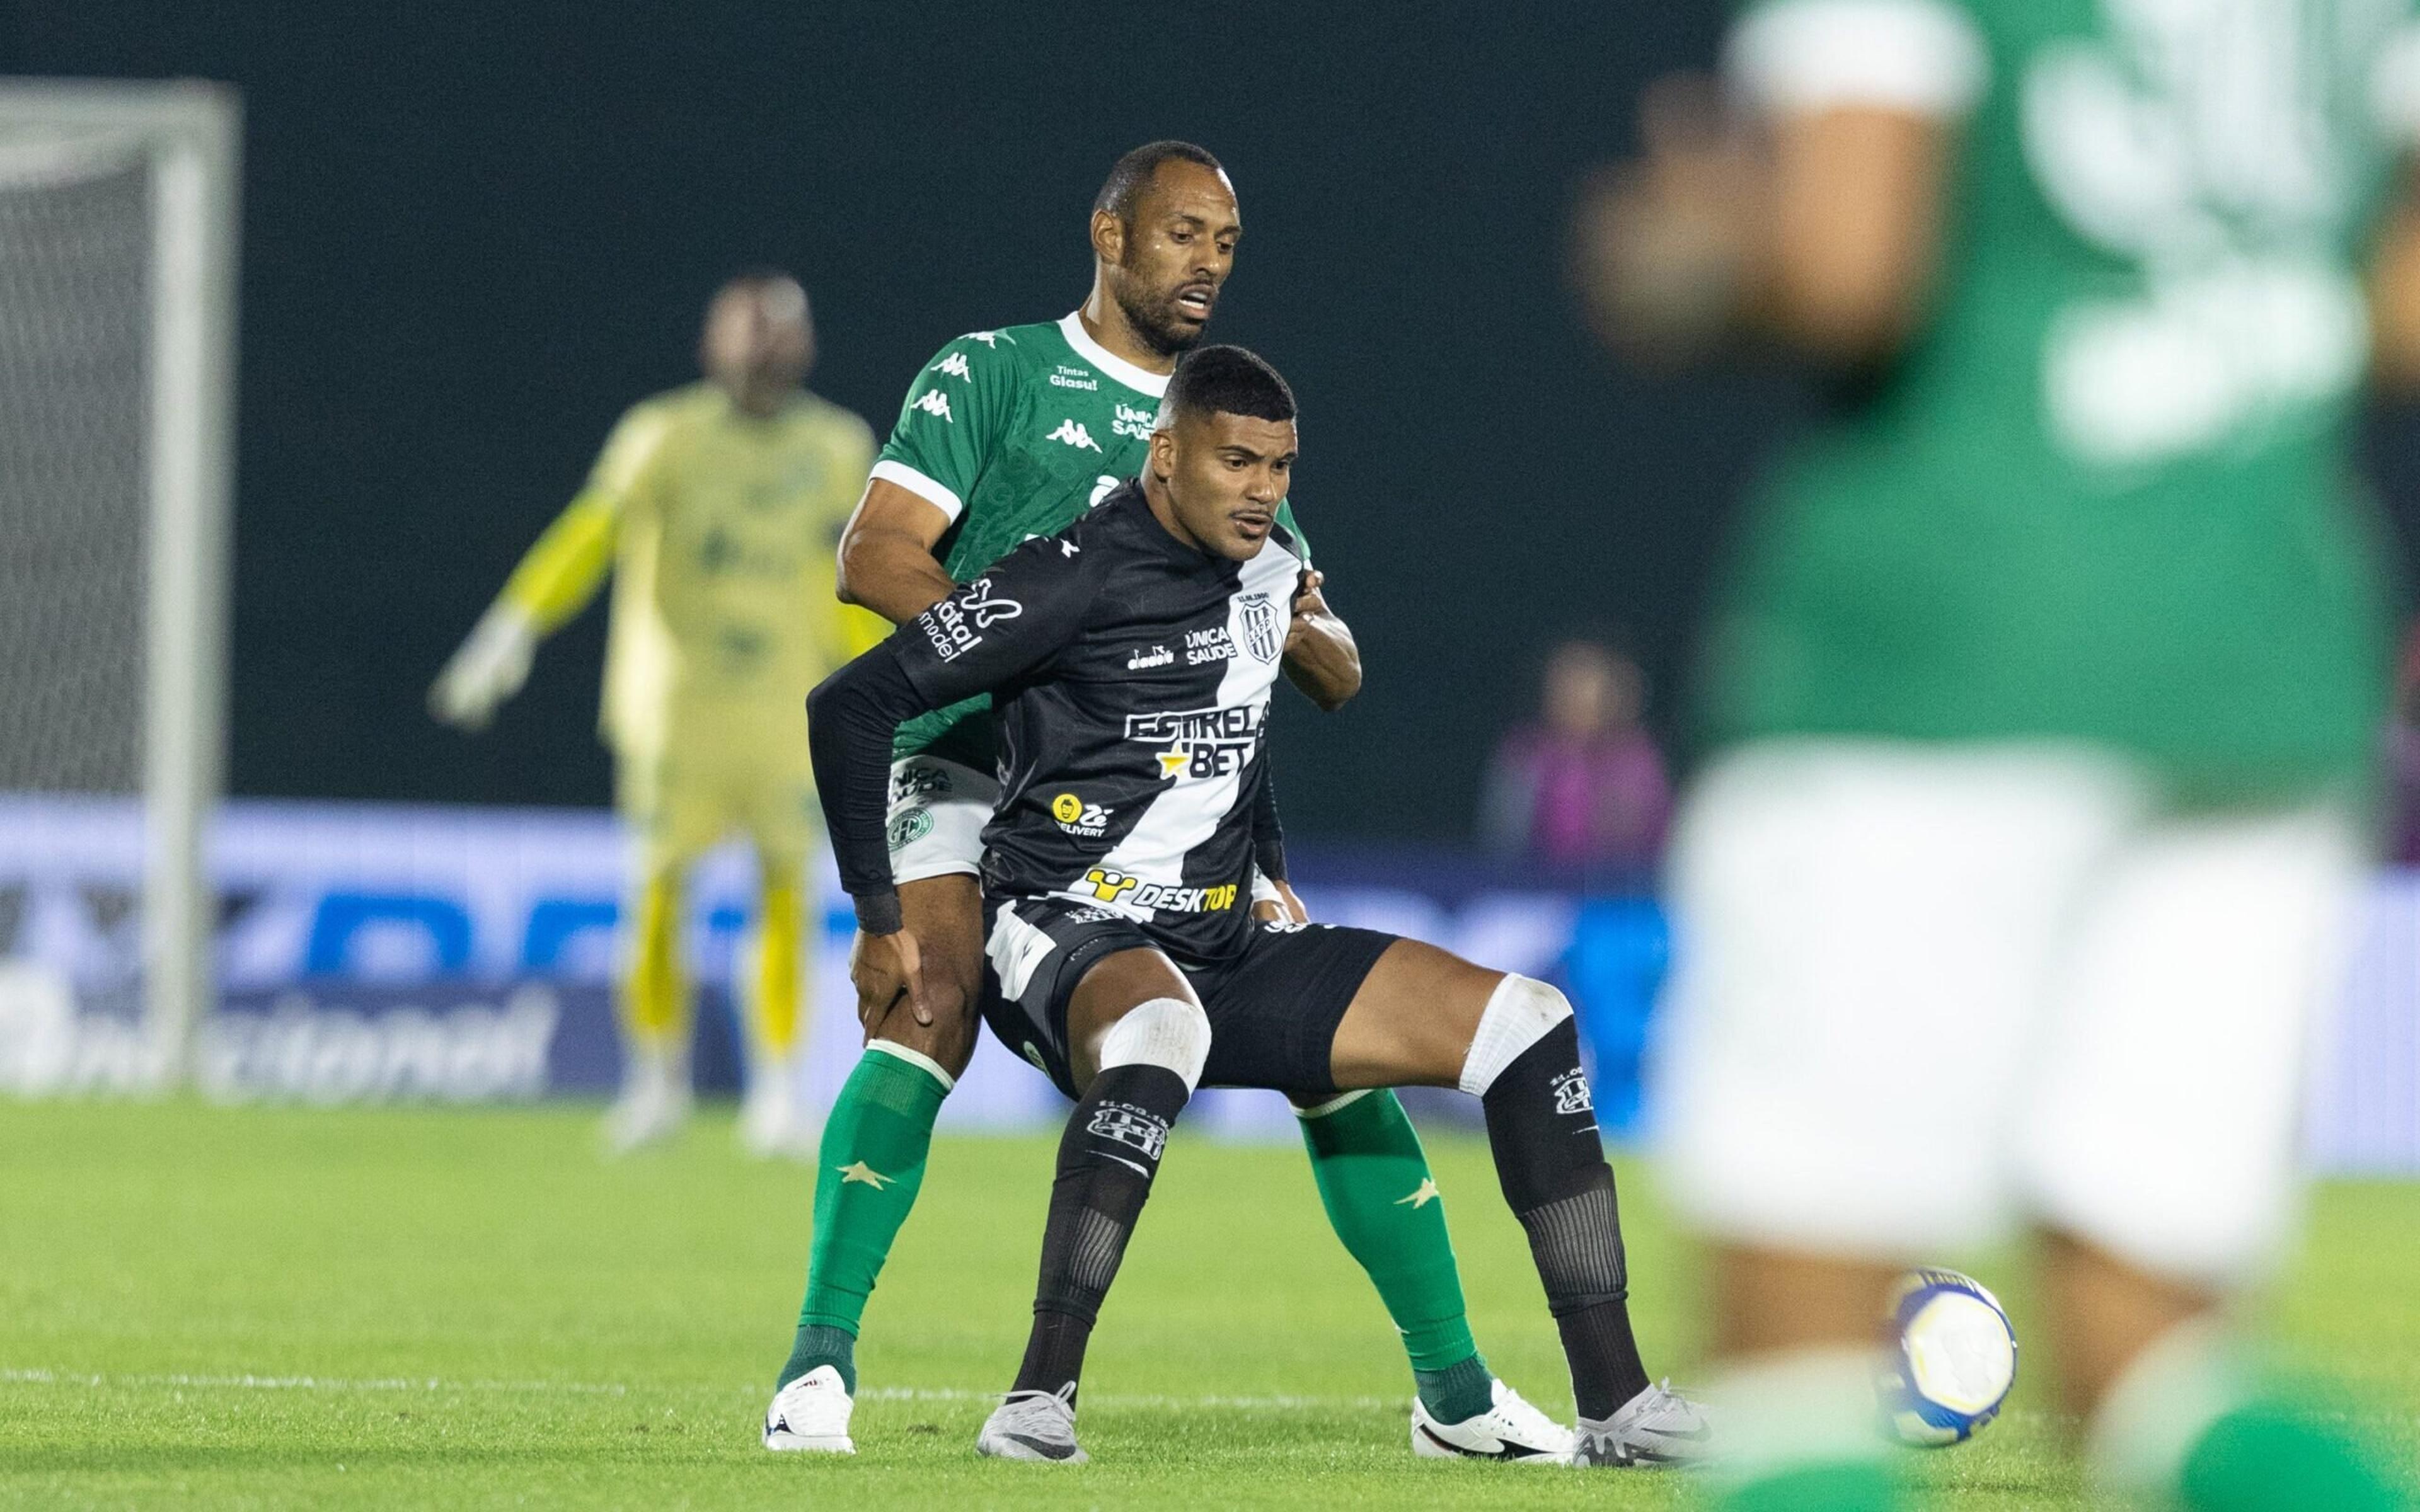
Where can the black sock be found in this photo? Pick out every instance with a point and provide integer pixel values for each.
(1541, 1124)
(1106, 1159)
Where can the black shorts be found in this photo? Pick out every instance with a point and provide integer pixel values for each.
(1273, 1012)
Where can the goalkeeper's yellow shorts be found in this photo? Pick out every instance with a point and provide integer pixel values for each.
(716, 784)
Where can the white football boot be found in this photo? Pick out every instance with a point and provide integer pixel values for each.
(774, 1121)
(1658, 1427)
(654, 1104)
(1510, 1429)
(1033, 1424)
(811, 1412)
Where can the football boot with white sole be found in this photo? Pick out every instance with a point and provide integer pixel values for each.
(811, 1413)
(1510, 1429)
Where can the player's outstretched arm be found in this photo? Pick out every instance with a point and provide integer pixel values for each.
(1321, 656)
(886, 553)
(553, 582)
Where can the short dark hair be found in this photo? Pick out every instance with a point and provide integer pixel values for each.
(1227, 380)
(1133, 173)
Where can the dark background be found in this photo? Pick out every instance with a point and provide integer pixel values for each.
(474, 233)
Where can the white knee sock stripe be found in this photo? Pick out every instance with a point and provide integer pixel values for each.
(1334, 1104)
(1518, 1016)
(921, 1062)
(1164, 1031)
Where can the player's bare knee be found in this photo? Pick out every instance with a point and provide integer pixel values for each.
(1161, 1031)
(1521, 1011)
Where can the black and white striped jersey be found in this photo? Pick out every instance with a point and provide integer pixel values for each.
(1131, 674)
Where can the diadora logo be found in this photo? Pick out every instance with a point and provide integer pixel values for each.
(1074, 377)
(1101, 487)
(1155, 657)
(1109, 887)
(1135, 424)
(1076, 817)
(1074, 435)
(1258, 619)
(1572, 1093)
(1135, 1128)
(955, 364)
(934, 402)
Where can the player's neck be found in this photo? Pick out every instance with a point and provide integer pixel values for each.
(1106, 323)
(1163, 509)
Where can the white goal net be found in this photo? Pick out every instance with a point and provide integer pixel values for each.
(116, 291)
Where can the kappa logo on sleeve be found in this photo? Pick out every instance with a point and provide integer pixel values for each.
(954, 365)
(934, 402)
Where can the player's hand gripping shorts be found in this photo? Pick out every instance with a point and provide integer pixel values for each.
(1273, 1012)
(1924, 990)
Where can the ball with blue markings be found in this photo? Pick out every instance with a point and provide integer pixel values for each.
(1953, 1358)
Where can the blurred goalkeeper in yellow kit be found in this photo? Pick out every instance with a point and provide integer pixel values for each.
(716, 507)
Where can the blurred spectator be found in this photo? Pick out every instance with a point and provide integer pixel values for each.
(1585, 784)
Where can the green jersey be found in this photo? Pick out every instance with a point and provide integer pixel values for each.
(2105, 497)
(1011, 434)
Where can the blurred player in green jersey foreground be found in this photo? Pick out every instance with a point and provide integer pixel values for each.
(1006, 435)
(716, 506)
(2040, 704)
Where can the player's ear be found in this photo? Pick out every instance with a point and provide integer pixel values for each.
(1163, 452)
(1109, 238)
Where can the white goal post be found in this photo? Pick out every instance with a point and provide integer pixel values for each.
(176, 148)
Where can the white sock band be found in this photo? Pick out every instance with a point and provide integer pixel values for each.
(1334, 1104)
(1518, 1016)
(1165, 1031)
(921, 1062)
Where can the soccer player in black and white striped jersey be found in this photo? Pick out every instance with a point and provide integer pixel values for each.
(1130, 658)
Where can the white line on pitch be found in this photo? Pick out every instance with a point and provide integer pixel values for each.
(589, 1388)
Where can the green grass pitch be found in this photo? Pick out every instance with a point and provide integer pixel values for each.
(205, 1307)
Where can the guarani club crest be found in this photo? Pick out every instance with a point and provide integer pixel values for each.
(1258, 620)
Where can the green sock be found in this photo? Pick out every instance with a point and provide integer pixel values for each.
(2264, 1456)
(1374, 1178)
(871, 1162)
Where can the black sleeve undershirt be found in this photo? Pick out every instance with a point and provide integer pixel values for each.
(851, 718)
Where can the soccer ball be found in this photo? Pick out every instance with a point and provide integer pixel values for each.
(1953, 1359)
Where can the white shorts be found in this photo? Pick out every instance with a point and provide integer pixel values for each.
(1923, 993)
(937, 813)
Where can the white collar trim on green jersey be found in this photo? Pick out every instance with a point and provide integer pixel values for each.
(1072, 327)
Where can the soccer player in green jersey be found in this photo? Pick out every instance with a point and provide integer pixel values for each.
(2040, 703)
(1007, 435)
